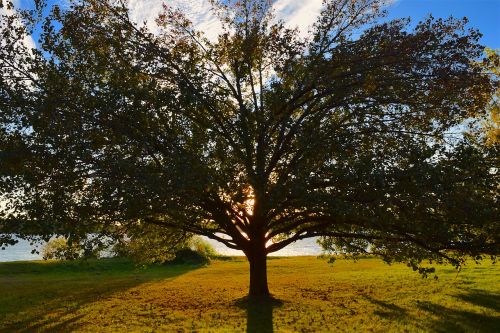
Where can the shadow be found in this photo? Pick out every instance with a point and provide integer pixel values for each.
(452, 320)
(47, 296)
(259, 313)
(65, 325)
(481, 298)
(388, 310)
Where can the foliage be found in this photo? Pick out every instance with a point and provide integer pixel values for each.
(256, 139)
(113, 295)
(61, 248)
(151, 244)
(491, 63)
(189, 256)
(203, 247)
(58, 248)
(198, 251)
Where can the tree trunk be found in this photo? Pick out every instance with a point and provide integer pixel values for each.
(258, 272)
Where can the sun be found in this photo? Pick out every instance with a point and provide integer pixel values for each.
(249, 205)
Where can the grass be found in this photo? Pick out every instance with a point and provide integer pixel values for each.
(113, 295)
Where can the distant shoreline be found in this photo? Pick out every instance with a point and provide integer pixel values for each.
(306, 247)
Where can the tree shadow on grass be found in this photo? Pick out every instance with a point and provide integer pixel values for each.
(448, 319)
(259, 313)
(481, 298)
(387, 310)
(457, 320)
(47, 296)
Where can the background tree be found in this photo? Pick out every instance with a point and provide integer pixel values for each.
(257, 139)
(491, 64)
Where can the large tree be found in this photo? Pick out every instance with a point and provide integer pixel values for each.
(362, 132)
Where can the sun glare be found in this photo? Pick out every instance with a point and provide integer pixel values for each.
(249, 204)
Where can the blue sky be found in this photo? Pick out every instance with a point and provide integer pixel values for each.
(482, 14)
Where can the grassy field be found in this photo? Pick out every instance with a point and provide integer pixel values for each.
(113, 295)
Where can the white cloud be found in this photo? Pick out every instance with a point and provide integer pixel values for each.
(303, 13)
(197, 11)
(299, 14)
(295, 13)
(145, 11)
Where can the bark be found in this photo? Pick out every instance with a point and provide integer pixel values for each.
(257, 258)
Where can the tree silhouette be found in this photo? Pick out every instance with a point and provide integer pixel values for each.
(361, 132)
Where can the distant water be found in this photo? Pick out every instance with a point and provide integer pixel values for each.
(22, 250)
(303, 247)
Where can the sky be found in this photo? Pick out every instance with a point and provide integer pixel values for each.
(483, 14)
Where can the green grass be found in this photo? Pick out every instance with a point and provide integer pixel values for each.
(113, 295)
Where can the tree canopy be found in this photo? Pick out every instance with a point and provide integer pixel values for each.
(364, 132)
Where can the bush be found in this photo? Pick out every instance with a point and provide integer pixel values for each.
(189, 256)
(149, 244)
(202, 247)
(155, 245)
(60, 249)
(198, 252)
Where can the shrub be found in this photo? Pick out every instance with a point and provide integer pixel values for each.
(189, 256)
(202, 247)
(60, 249)
(154, 245)
(198, 252)
(151, 244)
